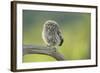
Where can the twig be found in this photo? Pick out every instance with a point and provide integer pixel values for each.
(30, 49)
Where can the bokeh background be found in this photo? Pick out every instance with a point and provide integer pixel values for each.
(75, 29)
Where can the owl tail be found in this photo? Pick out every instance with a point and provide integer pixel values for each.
(61, 42)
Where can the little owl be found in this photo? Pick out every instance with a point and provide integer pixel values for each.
(51, 34)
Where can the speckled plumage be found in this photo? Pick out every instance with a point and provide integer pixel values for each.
(51, 34)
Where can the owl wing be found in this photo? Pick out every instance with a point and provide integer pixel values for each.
(60, 37)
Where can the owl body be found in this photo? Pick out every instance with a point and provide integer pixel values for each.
(51, 34)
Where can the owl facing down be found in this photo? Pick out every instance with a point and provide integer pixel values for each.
(51, 34)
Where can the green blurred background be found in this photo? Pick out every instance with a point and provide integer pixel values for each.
(75, 29)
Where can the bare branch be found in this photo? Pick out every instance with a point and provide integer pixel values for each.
(30, 49)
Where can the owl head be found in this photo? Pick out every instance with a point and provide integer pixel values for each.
(50, 23)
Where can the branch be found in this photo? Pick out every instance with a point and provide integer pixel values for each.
(30, 49)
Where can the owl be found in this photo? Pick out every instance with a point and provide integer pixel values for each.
(51, 34)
